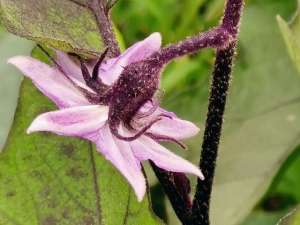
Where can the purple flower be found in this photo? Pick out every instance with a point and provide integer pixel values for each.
(112, 104)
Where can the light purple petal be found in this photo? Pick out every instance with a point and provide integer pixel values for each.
(170, 126)
(72, 70)
(175, 128)
(82, 121)
(146, 149)
(50, 81)
(70, 67)
(111, 70)
(119, 153)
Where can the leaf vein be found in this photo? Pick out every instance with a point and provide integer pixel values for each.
(96, 185)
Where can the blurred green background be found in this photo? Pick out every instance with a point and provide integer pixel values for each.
(258, 171)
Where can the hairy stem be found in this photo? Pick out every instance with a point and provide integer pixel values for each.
(217, 102)
(99, 8)
(214, 38)
(221, 80)
(224, 39)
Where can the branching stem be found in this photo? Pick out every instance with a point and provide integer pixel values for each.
(215, 38)
(224, 39)
(216, 108)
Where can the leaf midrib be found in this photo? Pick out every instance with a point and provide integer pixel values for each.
(96, 185)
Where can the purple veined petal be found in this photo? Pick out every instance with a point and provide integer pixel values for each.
(80, 121)
(147, 149)
(69, 66)
(119, 153)
(111, 70)
(72, 70)
(50, 82)
(170, 126)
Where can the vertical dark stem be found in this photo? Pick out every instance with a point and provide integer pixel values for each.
(99, 8)
(217, 102)
(220, 85)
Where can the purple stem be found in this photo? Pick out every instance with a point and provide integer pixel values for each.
(100, 9)
(215, 38)
(217, 102)
(179, 199)
(223, 38)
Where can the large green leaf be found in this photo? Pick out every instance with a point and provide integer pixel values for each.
(262, 122)
(286, 185)
(61, 24)
(263, 218)
(47, 179)
(283, 194)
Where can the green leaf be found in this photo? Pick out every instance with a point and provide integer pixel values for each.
(191, 6)
(47, 179)
(282, 195)
(177, 72)
(262, 122)
(287, 184)
(291, 35)
(293, 218)
(215, 9)
(60, 24)
(259, 217)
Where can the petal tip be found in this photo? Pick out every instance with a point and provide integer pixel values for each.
(156, 37)
(36, 125)
(201, 176)
(13, 60)
(193, 130)
(197, 129)
(31, 129)
(140, 198)
(139, 187)
(140, 193)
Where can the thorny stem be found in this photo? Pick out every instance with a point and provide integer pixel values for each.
(217, 102)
